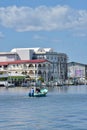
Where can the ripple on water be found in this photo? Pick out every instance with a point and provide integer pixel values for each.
(59, 110)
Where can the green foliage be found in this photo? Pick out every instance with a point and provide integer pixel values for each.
(3, 79)
(41, 79)
(16, 77)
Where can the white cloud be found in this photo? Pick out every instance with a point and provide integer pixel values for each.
(42, 18)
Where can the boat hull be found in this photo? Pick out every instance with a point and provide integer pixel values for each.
(42, 93)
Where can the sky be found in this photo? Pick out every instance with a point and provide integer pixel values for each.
(57, 24)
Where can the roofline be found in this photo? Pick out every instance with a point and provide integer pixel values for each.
(24, 61)
(7, 53)
(77, 63)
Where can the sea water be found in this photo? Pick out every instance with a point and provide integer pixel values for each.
(64, 108)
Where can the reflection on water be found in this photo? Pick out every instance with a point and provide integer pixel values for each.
(64, 108)
(55, 89)
(69, 89)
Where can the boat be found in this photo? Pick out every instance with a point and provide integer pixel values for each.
(6, 84)
(41, 93)
(10, 85)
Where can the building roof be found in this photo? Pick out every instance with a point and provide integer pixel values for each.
(23, 61)
(16, 49)
(8, 53)
(34, 49)
(75, 63)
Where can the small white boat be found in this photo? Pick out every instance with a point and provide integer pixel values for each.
(6, 84)
(10, 85)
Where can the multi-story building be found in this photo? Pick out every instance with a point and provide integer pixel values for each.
(32, 68)
(58, 60)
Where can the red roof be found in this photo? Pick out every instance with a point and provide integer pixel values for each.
(23, 61)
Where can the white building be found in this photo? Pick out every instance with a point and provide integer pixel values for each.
(32, 68)
(8, 56)
(24, 53)
(76, 70)
(59, 60)
(29, 53)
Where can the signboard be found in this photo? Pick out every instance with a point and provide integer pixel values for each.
(78, 73)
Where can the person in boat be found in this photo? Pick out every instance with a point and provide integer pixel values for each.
(32, 91)
(38, 90)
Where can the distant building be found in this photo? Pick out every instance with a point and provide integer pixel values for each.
(24, 53)
(77, 70)
(9, 56)
(58, 60)
(32, 68)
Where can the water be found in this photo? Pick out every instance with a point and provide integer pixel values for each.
(64, 108)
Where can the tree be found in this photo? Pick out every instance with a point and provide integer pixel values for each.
(41, 79)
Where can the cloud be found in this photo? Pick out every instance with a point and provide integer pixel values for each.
(1, 35)
(42, 18)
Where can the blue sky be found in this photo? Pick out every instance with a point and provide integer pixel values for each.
(57, 24)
